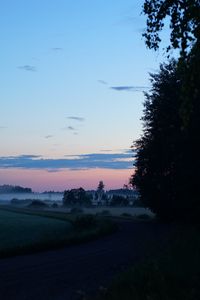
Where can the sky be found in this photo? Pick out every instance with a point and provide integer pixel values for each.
(72, 78)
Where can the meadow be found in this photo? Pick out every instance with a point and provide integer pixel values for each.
(26, 231)
(20, 232)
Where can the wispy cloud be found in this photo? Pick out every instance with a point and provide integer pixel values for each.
(28, 156)
(80, 119)
(71, 128)
(3, 127)
(126, 88)
(79, 162)
(28, 68)
(57, 49)
(48, 136)
(106, 150)
(129, 88)
(102, 82)
(53, 170)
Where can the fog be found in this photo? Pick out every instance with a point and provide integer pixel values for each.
(21, 196)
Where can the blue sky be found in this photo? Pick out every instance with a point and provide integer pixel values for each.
(72, 75)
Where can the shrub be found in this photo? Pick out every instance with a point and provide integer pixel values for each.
(143, 217)
(76, 210)
(85, 222)
(16, 201)
(138, 203)
(126, 215)
(37, 203)
(104, 212)
(54, 205)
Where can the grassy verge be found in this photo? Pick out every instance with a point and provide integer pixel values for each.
(25, 231)
(172, 275)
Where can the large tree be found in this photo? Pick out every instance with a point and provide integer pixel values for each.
(157, 157)
(167, 161)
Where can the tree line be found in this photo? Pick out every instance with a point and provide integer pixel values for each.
(167, 154)
(14, 189)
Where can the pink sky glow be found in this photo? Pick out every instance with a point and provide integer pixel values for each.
(41, 180)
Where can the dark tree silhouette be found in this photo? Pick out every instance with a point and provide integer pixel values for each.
(76, 197)
(184, 16)
(100, 186)
(157, 151)
(167, 161)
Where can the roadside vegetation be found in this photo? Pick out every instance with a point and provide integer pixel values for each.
(171, 274)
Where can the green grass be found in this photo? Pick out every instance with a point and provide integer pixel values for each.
(26, 231)
(39, 212)
(173, 274)
(20, 232)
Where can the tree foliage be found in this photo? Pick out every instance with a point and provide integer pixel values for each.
(76, 197)
(184, 17)
(100, 186)
(156, 161)
(167, 160)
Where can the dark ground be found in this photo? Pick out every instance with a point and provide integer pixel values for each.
(66, 274)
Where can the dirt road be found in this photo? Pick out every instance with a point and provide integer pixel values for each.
(66, 274)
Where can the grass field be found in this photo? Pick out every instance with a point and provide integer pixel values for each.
(19, 232)
(26, 231)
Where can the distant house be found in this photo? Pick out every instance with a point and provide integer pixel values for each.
(99, 198)
(102, 197)
(130, 195)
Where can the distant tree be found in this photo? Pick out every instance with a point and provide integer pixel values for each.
(68, 198)
(100, 193)
(100, 186)
(76, 197)
(14, 189)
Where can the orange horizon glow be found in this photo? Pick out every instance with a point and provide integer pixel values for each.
(42, 180)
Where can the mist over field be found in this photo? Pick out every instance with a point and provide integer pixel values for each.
(34, 196)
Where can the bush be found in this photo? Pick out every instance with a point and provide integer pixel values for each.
(16, 201)
(143, 217)
(37, 203)
(76, 210)
(138, 203)
(126, 215)
(85, 222)
(54, 205)
(104, 212)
